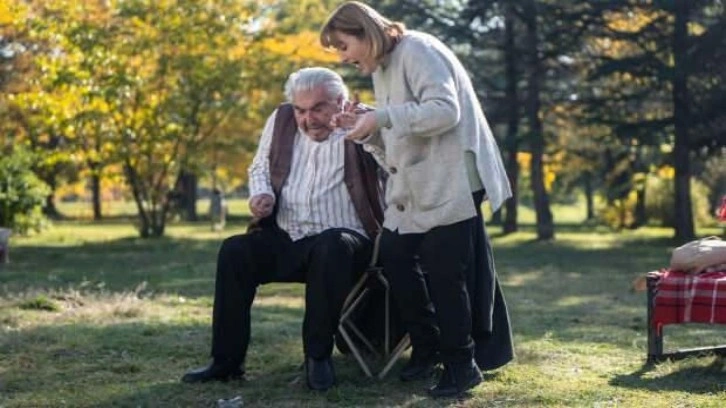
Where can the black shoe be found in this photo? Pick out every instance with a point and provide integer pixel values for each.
(319, 373)
(456, 379)
(214, 371)
(420, 366)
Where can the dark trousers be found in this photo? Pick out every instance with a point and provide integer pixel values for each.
(327, 263)
(491, 328)
(442, 257)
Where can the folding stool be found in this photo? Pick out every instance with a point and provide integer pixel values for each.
(349, 329)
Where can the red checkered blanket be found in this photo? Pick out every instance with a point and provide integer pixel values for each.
(690, 298)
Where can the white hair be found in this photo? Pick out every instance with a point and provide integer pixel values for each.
(307, 79)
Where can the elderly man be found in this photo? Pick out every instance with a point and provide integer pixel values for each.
(315, 200)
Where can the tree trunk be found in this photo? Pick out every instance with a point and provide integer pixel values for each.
(49, 208)
(158, 221)
(640, 216)
(589, 193)
(96, 194)
(5, 245)
(545, 226)
(186, 187)
(146, 222)
(510, 224)
(683, 220)
(512, 141)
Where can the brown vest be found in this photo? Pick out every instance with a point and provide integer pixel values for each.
(360, 174)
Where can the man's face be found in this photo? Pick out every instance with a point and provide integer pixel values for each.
(313, 111)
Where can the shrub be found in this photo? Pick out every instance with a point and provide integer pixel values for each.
(714, 176)
(620, 213)
(40, 302)
(659, 202)
(22, 193)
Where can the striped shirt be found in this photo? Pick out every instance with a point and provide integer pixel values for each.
(314, 196)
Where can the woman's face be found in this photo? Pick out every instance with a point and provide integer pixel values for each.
(353, 50)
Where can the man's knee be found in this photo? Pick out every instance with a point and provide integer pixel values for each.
(338, 241)
(338, 250)
(233, 248)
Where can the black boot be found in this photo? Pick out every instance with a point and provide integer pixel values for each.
(217, 371)
(421, 364)
(456, 379)
(319, 373)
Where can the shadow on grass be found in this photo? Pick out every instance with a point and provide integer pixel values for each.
(139, 364)
(692, 379)
(556, 289)
(577, 291)
(559, 290)
(121, 262)
(174, 265)
(125, 219)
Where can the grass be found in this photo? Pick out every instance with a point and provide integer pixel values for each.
(115, 209)
(92, 316)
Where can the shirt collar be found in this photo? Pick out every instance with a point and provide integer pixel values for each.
(334, 135)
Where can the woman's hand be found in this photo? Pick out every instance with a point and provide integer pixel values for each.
(344, 120)
(364, 126)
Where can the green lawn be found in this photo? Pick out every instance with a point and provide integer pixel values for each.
(90, 315)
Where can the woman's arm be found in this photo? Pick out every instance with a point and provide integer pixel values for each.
(435, 108)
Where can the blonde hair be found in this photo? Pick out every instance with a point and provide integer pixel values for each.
(365, 23)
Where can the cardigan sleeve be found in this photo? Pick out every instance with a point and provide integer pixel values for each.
(435, 108)
(373, 144)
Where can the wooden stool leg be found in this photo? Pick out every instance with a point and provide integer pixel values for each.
(655, 334)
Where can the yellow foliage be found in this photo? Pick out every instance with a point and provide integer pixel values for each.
(667, 172)
(550, 168)
(639, 177)
(300, 47)
(237, 52)
(621, 213)
(71, 190)
(6, 14)
(549, 179)
(364, 96)
(632, 21)
(113, 186)
(524, 159)
(696, 28)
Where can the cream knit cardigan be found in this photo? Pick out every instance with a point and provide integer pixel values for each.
(434, 117)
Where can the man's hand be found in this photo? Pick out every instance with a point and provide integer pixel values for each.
(358, 119)
(261, 205)
(348, 116)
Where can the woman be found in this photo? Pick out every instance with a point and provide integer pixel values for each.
(430, 134)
